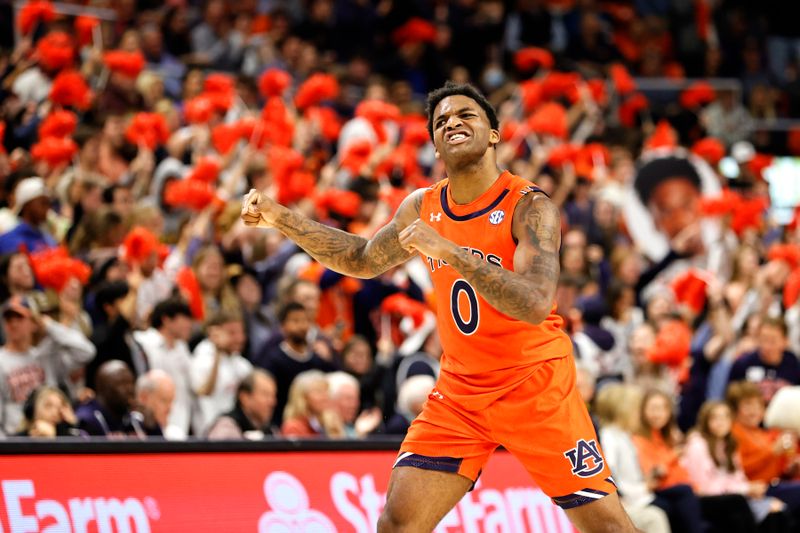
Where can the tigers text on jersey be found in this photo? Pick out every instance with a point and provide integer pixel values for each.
(486, 353)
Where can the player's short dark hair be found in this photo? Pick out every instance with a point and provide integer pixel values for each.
(287, 309)
(169, 308)
(654, 172)
(464, 89)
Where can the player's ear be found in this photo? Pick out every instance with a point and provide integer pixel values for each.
(494, 137)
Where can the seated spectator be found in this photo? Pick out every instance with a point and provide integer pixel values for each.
(26, 364)
(658, 441)
(771, 366)
(767, 455)
(412, 396)
(155, 392)
(308, 411)
(32, 203)
(291, 356)
(217, 367)
(164, 346)
(252, 415)
(48, 414)
(615, 408)
(109, 413)
(345, 392)
(714, 467)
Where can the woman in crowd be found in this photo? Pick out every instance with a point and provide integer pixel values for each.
(308, 412)
(48, 414)
(712, 461)
(658, 442)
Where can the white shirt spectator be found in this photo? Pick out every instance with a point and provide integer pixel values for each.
(62, 350)
(152, 290)
(231, 370)
(175, 361)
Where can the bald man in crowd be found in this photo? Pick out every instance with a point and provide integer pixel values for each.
(155, 392)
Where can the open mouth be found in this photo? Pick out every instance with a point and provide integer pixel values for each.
(457, 137)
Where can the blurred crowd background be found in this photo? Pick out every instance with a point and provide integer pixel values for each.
(135, 303)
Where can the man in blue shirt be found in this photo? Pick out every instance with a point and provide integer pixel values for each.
(31, 202)
(772, 366)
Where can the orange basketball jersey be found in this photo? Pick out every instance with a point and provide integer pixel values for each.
(486, 353)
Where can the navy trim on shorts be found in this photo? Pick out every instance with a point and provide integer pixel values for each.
(440, 464)
(469, 216)
(578, 498)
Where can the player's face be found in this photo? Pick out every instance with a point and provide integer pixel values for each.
(461, 131)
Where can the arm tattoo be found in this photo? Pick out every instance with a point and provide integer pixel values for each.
(527, 292)
(346, 253)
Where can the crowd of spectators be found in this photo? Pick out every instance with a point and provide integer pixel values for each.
(136, 304)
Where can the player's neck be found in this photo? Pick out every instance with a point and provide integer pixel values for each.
(469, 183)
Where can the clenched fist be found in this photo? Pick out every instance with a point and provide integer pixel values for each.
(421, 237)
(259, 210)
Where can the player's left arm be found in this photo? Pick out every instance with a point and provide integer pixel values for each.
(527, 292)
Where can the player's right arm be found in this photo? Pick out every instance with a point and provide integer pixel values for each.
(338, 250)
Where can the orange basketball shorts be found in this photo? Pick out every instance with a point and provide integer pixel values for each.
(543, 423)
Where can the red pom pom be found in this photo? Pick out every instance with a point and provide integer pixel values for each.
(191, 194)
(531, 91)
(274, 82)
(299, 185)
(139, 244)
(326, 120)
(84, 29)
(219, 84)
(33, 13)
(206, 170)
(283, 162)
(55, 51)
(630, 109)
(128, 64)
(224, 137)
(664, 136)
(416, 30)
(672, 344)
(315, 90)
(791, 290)
(623, 82)
(402, 158)
(788, 253)
(356, 156)
(597, 88)
(724, 204)
(54, 268)
(415, 131)
(402, 305)
(187, 283)
(198, 110)
(344, 203)
(148, 129)
(54, 151)
(377, 112)
(532, 57)
(560, 85)
(710, 149)
(561, 154)
(758, 164)
(550, 119)
(69, 89)
(58, 124)
(690, 290)
(698, 94)
(749, 214)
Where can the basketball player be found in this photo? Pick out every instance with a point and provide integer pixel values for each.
(491, 241)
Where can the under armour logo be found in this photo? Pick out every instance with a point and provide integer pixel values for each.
(585, 458)
(436, 218)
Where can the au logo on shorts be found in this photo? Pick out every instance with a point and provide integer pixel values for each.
(585, 458)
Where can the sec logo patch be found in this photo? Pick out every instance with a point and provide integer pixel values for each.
(496, 217)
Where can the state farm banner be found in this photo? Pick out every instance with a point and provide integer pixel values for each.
(260, 492)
